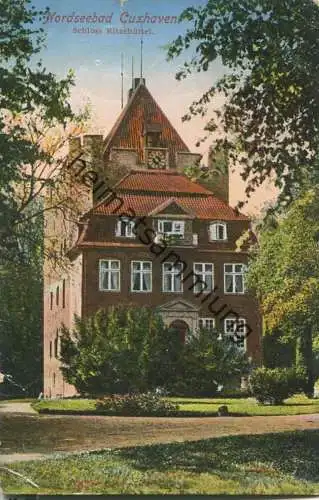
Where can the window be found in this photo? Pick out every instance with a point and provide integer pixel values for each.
(152, 139)
(124, 228)
(172, 277)
(218, 231)
(54, 379)
(207, 323)
(57, 296)
(203, 277)
(235, 328)
(171, 227)
(51, 300)
(50, 349)
(56, 345)
(109, 275)
(63, 294)
(141, 276)
(234, 278)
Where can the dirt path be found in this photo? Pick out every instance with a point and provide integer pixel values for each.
(32, 436)
(13, 407)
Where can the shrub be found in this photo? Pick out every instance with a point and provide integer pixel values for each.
(130, 350)
(123, 350)
(147, 404)
(209, 365)
(273, 385)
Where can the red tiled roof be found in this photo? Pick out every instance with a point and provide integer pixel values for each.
(142, 191)
(204, 206)
(140, 110)
(159, 181)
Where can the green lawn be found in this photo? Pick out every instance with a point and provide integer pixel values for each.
(246, 406)
(283, 463)
(65, 404)
(296, 405)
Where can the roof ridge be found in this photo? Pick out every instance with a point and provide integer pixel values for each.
(119, 119)
(142, 192)
(157, 171)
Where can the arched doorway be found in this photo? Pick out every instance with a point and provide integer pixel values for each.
(181, 327)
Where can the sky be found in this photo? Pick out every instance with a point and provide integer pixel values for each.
(95, 56)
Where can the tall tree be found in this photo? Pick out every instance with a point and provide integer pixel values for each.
(284, 272)
(33, 101)
(270, 115)
(21, 313)
(121, 350)
(35, 121)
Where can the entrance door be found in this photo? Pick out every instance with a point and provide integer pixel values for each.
(181, 327)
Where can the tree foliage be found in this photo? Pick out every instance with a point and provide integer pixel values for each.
(209, 364)
(36, 120)
(33, 103)
(284, 273)
(130, 349)
(21, 314)
(270, 116)
(119, 351)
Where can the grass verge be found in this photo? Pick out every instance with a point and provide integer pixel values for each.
(282, 463)
(296, 405)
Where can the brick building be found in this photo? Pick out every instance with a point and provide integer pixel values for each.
(155, 238)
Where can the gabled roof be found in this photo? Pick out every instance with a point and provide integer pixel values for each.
(143, 191)
(204, 207)
(171, 206)
(178, 305)
(143, 111)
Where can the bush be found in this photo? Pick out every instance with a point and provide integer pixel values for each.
(123, 350)
(130, 350)
(208, 366)
(273, 385)
(147, 404)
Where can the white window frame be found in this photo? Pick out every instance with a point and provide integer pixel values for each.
(141, 272)
(201, 274)
(129, 228)
(108, 271)
(229, 334)
(173, 232)
(205, 321)
(234, 273)
(214, 229)
(170, 271)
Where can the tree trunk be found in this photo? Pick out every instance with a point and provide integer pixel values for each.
(304, 360)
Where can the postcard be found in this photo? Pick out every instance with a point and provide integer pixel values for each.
(159, 259)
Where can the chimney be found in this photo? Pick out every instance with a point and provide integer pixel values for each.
(93, 150)
(86, 169)
(136, 83)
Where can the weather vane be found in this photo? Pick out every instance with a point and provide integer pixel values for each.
(122, 2)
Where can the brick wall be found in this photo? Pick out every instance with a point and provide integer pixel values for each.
(244, 305)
